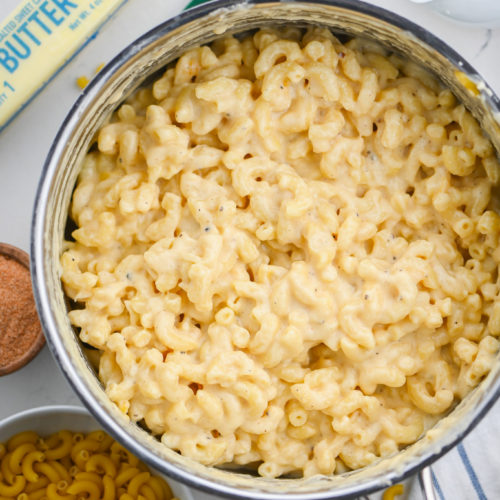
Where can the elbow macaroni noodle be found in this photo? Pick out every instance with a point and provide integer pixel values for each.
(73, 466)
(287, 253)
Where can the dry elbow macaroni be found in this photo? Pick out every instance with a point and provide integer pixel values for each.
(287, 253)
(74, 466)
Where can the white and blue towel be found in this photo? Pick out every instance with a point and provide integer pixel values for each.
(470, 470)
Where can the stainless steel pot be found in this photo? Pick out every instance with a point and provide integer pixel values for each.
(117, 80)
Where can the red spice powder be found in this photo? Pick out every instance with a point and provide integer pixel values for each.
(20, 330)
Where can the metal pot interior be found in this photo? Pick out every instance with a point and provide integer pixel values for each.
(124, 74)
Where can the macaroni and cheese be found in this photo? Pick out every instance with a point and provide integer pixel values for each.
(286, 253)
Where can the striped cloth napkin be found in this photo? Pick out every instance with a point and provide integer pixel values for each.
(469, 471)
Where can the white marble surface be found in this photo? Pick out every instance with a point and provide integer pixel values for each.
(25, 142)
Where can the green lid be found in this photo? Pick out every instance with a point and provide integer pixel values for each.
(194, 3)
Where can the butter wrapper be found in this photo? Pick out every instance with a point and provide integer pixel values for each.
(37, 39)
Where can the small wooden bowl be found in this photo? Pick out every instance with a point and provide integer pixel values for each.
(37, 342)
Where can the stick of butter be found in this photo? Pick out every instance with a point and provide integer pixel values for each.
(39, 37)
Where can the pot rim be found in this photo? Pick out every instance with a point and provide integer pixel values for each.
(47, 318)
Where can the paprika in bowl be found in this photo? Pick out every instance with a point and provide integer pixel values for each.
(21, 336)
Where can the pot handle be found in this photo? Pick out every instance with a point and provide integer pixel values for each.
(425, 480)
